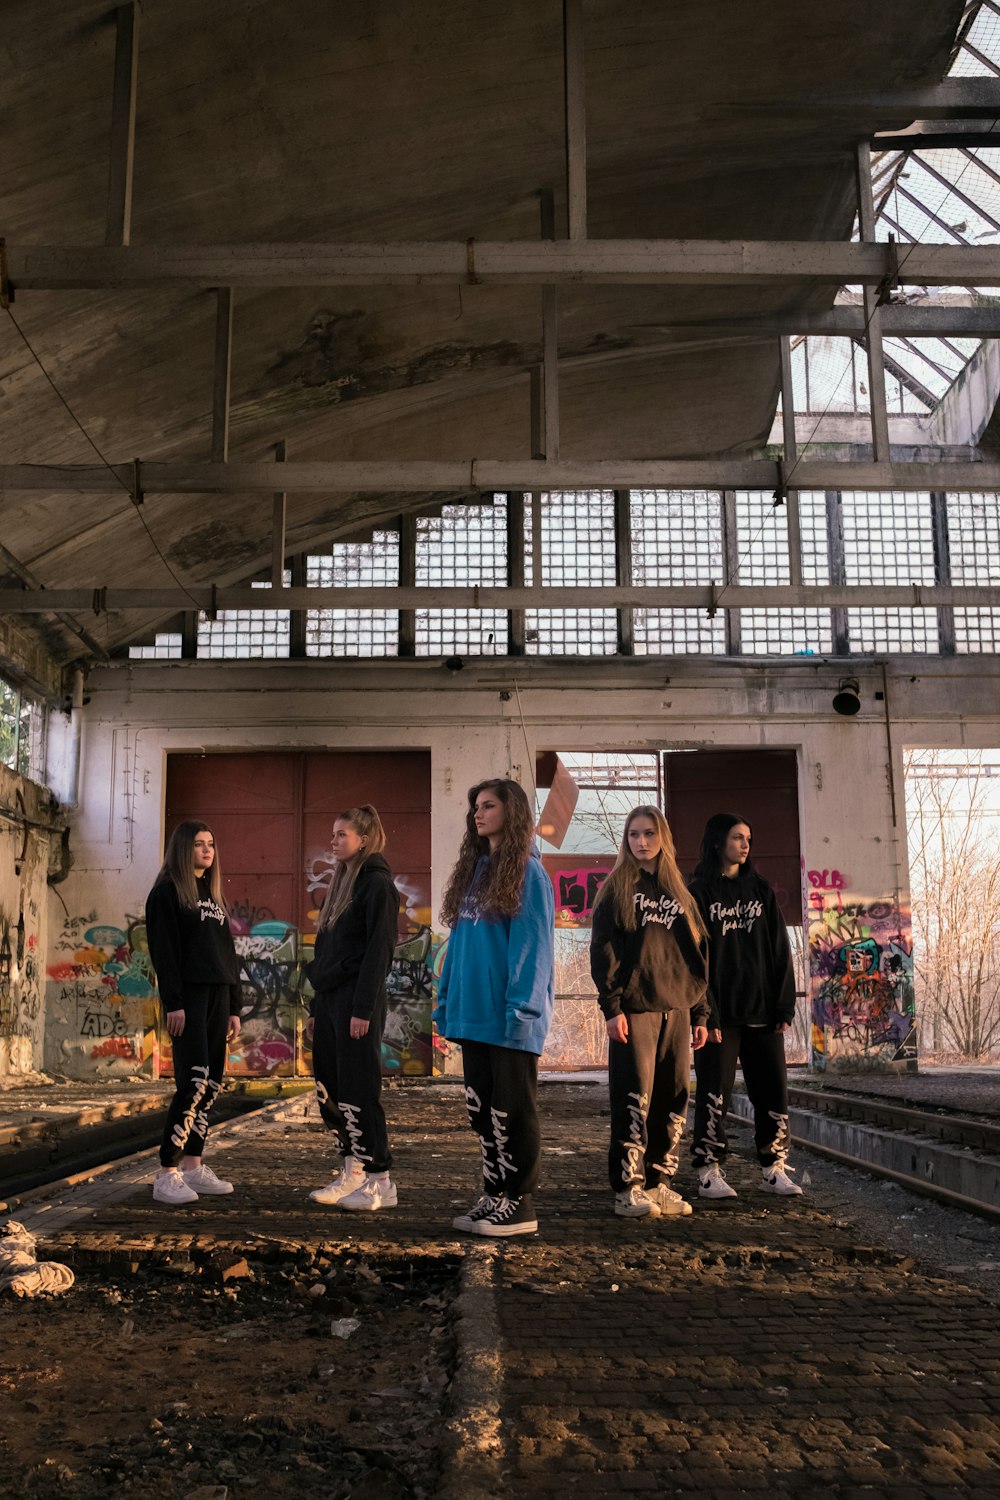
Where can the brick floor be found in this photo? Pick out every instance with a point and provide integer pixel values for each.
(755, 1347)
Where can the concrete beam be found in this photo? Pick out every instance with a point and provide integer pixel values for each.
(118, 227)
(686, 596)
(511, 263)
(952, 99)
(906, 432)
(966, 409)
(477, 475)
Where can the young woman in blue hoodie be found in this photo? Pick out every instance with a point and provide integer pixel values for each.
(495, 998)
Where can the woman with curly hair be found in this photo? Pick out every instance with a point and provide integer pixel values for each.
(648, 958)
(198, 975)
(495, 998)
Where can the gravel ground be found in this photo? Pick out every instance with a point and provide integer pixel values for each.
(942, 1240)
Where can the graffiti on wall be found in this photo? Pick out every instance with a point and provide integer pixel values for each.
(576, 884)
(20, 995)
(861, 980)
(103, 987)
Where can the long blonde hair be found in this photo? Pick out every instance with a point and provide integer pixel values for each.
(368, 825)
(178, 865)
(620, 886)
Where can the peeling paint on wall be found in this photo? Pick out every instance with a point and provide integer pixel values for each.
(24, 860)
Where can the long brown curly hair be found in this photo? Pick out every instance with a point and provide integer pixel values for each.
(619, 888)
(498, 894)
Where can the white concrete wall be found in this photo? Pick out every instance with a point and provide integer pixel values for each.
(138, 713)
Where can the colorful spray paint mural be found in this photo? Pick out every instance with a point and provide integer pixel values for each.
(103, 987)
(861, 981)
(102, 996)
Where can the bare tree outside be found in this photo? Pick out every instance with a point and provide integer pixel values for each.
(953, 827)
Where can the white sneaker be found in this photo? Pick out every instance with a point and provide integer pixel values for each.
(667, 1201)
(204, 1180)
(351, 1177)
(169, 1187)
(776, 1180)
(712, 1184)
(633, 1203)
(371, 1195)
(483, 1205)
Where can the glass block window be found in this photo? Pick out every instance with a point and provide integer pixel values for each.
(762, 552)
(676, 536)
(977, 630)
(814, 537)
(464, 545)
(578, 549)
(166, 645)
(887, 537)
(974, 549)
(761, 538)
(974, 538)
(245, 633)
(22, 732)
(677, 539)
(893, 630)
(461, 632)
(678, 632)
(354, 632)
(785, 632)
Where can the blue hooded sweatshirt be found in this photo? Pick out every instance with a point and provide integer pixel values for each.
(498, 980)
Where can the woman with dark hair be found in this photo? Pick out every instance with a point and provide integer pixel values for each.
(753, 991)
(648, 961)
(198, 974)
(495, 998)
(354, 947)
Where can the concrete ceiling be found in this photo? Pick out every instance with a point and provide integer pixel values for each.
(299, 120)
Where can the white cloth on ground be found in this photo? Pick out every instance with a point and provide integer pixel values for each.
(21, 1273)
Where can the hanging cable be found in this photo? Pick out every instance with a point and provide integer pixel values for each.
(110, 468)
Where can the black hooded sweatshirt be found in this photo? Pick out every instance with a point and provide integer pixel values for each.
(190, 945)
(658, 966)
(750, 960)
(355, 954)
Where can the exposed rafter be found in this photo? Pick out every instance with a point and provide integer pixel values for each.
(498, 262)
(464, 475)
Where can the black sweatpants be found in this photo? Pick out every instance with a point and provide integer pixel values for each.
(501, 1092)
(199, 1065)
(649, 1080)
(761, 1052)
(348, 1072)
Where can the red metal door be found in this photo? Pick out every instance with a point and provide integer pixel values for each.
(759, 785)
(272, 813)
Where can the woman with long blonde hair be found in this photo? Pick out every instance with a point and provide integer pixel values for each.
(648, 958)
(355, 942)
(495, 998)
(198, 975)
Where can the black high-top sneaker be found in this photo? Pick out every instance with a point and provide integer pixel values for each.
(511, 1216)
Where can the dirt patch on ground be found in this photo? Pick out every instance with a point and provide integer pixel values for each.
(322, 1375)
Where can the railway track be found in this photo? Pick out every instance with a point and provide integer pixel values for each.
(41, 1153)
(950, 1157)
